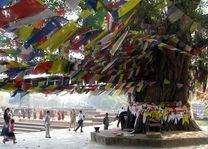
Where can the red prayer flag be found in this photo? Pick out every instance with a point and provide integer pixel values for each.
(43, 67)
(23, 9)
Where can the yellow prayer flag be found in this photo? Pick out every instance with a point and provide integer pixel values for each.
(129, 85)
(36, 89)
(193, 27)
(139, 88)
(121, 78)
(59, 66)
(99, 4)
(14, 64)
(137, 71)
(41, 83)
(117, 92)
(51, 87)
(59, 37)
(185, 119)
(25, 32)
(79, 78)
(166, 81)
(85, 13)
(128, 6)
(161, 45)
(108, 86)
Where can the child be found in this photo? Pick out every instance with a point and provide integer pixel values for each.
(106, 121)
(11, 134)
(47, 124)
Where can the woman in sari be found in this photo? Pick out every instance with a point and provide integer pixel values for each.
(5, 129)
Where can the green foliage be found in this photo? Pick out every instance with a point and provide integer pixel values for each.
(54, 4)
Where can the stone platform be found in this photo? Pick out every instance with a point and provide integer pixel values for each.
(165, 139)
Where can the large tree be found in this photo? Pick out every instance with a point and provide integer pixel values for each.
(147, 50)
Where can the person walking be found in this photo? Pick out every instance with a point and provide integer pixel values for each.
(34, 114)
(59, 115)
(80, 121)
(12, 113)
(23, 113)
(72, 119)
(41, 114)
(62, 115)
(11, 134)
(28, 113)
(106, 121)
(5, 129)
(47, 124)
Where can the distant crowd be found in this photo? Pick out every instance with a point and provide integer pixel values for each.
(35, 114)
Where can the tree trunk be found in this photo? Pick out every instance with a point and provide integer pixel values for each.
(173, 67)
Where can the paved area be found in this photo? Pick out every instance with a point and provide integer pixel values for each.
(64, 139)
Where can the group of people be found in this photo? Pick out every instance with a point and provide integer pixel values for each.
(39, 114)
(72, 122)
(8, 127)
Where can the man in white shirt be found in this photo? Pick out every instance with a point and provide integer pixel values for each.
(47, 124)
(119, 112)
(80, 121)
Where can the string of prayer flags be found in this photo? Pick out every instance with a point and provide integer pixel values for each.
(52, 25)
(57, 39)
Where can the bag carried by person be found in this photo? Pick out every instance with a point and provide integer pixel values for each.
(80, 121)
(5, 130)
